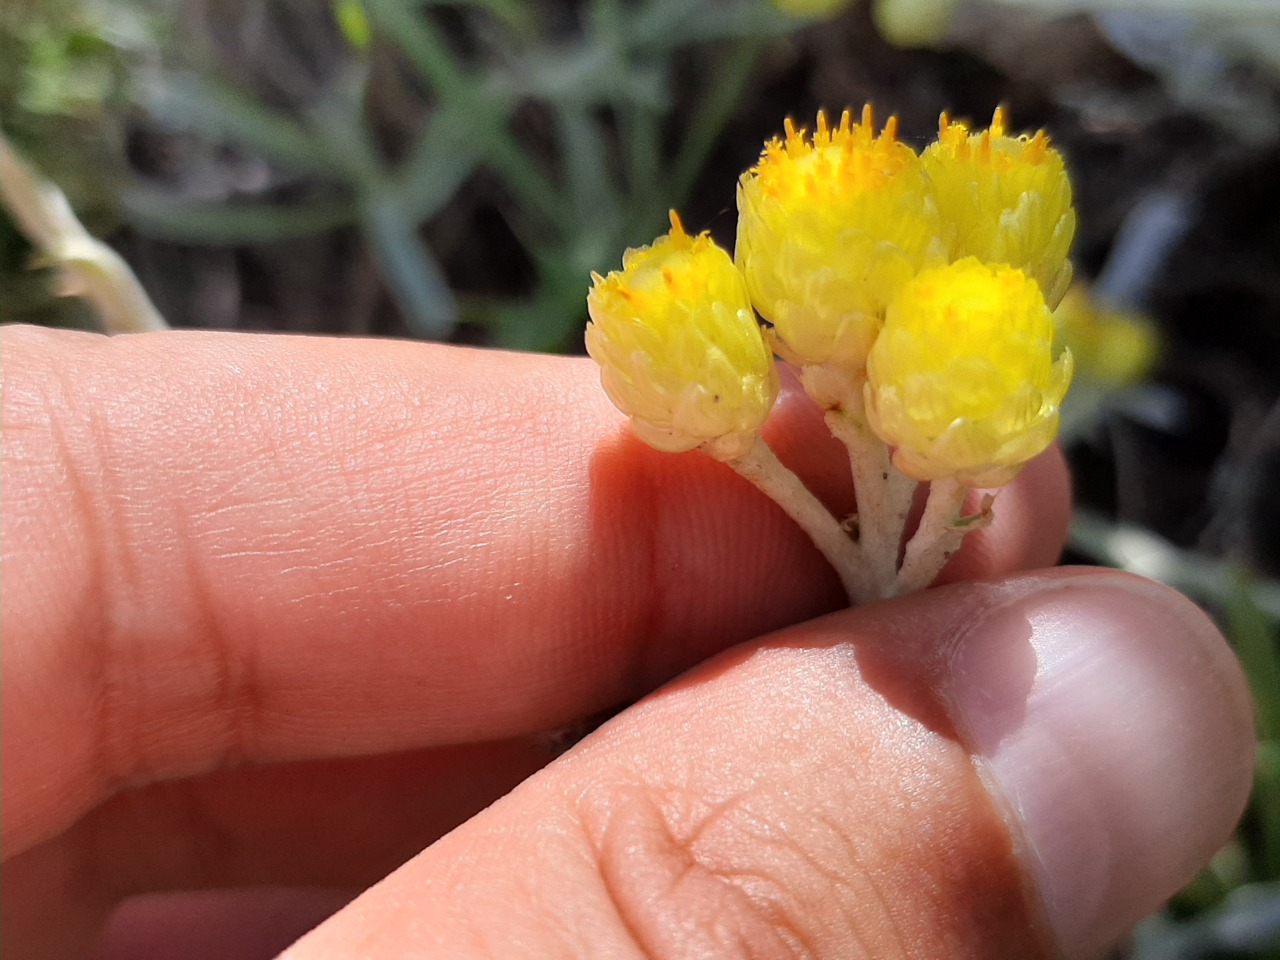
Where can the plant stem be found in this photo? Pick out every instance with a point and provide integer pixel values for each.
(86, 266)
(883, 492)
(937, 538)
(762, 468)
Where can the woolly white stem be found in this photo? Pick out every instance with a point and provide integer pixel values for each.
(883, 492)
(760, 466)
(939, 535)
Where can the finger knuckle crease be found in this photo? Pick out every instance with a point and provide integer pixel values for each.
(687, 878)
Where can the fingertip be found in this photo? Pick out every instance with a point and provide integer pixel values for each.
(1115, 728)
(1021, 767)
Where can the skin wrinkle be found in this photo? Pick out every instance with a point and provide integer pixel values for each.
(770, 898)
(237, 692)
(766, 836)
(837, 882)
(882, 925)
(534, 906)
(616, 857)
(616, 900)
(90, 503)
(227, 704)
(766, 895)
(846, 909)
(228, 698)
(94, 655)
(648, 583)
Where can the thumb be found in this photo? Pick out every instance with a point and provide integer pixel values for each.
(1022, 768)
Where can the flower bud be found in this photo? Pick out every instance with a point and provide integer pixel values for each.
(829, 228)
(962, 381)
(679, 347)
(1005, 199)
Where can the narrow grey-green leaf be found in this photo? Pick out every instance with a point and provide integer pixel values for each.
(216, 110)
(410, 270)
(587, 176)
(163, 216)
(442, 160)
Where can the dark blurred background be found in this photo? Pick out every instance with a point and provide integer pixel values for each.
(454, 171)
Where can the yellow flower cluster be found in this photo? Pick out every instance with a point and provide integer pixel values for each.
(927, 278)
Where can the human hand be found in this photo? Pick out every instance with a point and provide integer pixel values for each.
(284, 611)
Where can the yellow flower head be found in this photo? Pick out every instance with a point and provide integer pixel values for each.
(829, 228)
(1111, 347)
(679, 348)
(962, 381)
(1007, 199)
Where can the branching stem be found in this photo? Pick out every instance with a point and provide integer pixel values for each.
(762, 467)
(939, 535)
(883, 492)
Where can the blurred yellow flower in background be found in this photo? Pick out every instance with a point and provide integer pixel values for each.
(1111, 347)
(812, 9)
(829, 228)
(1005, 200)
(679, 348)
(913, 23)
(961, 381)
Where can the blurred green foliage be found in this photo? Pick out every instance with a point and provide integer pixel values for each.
(61, 100)
(592, 120)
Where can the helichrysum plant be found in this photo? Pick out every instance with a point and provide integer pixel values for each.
(914, 293)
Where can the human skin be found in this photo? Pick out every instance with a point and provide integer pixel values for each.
(283, 612)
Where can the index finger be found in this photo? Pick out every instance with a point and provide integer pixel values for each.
(226, 547)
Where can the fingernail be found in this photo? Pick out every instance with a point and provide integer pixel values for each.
(1114, 727)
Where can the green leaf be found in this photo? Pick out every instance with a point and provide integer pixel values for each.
(1265, 808)
(216, 110)
(412, 274)
(425, 48)
(720, 98)
(586, 167)
(586, 73)
(668, 24)
(554, 319)
(1253, 634)
(444, 156)
(163, 216)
